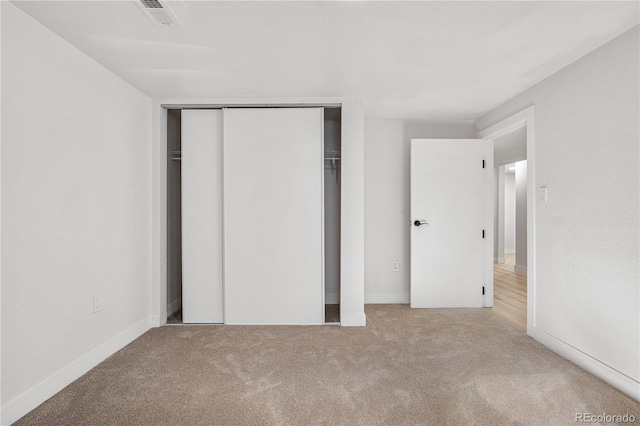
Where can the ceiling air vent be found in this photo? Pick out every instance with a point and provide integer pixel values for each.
(159, 13)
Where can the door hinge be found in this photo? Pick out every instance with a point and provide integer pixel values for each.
(483, 164)
(483, 290)
(483, 233)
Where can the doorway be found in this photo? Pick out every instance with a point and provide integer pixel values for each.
(514, 219)
(515, 214)
(510, 283)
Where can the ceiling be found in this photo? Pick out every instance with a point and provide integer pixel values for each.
(436, 61)
(511, 147)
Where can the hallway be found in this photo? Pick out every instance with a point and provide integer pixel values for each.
(510, 293)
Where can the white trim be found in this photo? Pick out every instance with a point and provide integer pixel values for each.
(505, 126)
(332, 298)
(396, 298)
(155, 321)
(522, 270)
(174, 306)
(24, 403)
(0, 232)
(259, 324)
(489, 223)
(323, 294)
(516, 121)
(611, 376)
(158, 216)
(498, 260)
(353, 320)
(239, 103)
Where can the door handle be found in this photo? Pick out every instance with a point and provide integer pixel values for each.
(420, 222)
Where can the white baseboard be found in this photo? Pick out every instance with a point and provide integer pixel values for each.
(372, 299)
(173, 307)
(154, 321)
(331, 299)
(522, 270)
(24, 403)
(353, 320)
(618, 380)
(498, 260)
(159, 320)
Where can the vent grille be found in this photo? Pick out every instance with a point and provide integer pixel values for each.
(151, 4)
(159, 13)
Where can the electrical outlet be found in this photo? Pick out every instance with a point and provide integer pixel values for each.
(96, 304)
(395, 266)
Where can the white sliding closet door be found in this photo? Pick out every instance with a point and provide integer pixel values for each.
(273, 216)
(201, 174)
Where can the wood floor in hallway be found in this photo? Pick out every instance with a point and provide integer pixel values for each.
(510, 293)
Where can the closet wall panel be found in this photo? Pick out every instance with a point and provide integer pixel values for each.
(202, 300)
(273, 216)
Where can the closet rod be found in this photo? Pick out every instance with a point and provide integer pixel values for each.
(332, 155)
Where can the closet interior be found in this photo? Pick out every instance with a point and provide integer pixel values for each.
(332, 185)
(331, 215)
(174, 219)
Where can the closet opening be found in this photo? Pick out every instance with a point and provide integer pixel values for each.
(174, 217)
(174, 209)
(332, 193)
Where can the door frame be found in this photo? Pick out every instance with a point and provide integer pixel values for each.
(524, 118)
(352, 198)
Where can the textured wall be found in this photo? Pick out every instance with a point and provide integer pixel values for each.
(587, 267)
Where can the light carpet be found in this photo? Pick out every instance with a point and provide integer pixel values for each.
(408, 366)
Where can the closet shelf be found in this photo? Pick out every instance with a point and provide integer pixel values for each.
(333, 155)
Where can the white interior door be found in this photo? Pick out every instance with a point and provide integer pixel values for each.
(201, 180)
(273, 216)
(448, 249)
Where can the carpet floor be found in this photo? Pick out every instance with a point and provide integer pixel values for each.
(408, 366)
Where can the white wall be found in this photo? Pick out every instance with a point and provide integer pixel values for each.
(387, 202)
(521, 217)
(498, 217)
(587, 245)
(509, 212)
(75, 213)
